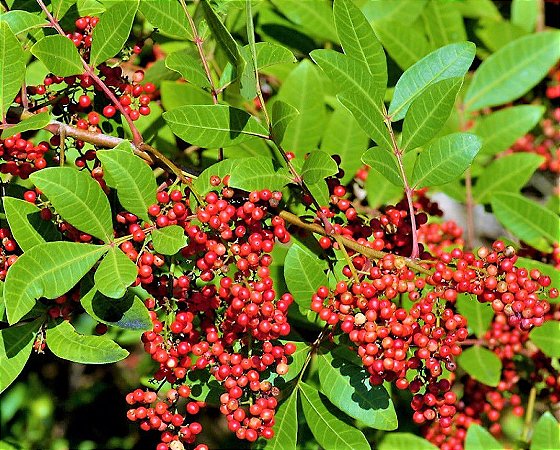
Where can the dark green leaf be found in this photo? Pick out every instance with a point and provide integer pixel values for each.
(222, 35)
(429, 112)
(168, 240)
(168, 17)
(445, 159)
(189, 67)
(385, 163)
(213, 125)
(35, 122)
(513, 70)
(318, 166)
(347, 386)
(59, 55)
(443, 23)
(78, 198)
(450, 61)
(46, 270)
(257, 173)
(508, 174)
(66, 343)
(15, 347)
(404, 441)
(481, 364)
(547, 338)
(546, 433)
(323, 420)
(22, 21)
(478, 315)
(480, 439)
(112, 31)
(131, 177)
(12, 67)
(282, 116)
(115, 273)
(525, 218)
(285, 426)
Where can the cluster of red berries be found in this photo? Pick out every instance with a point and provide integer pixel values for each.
(437, 237)
(8, 252)
(20, 157)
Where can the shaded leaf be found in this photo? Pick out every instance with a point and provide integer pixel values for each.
(481, 364)
(385, 163)
(282, 116)
(115, 273)
(443, 23)
(222, 35)
(188, 66)
(546, 433)
(547, 338)
(35, 122)
(480, 439)
(168, 240)
(168, 17)
(478, 315)
(381, 191)
(12, 67)
(257, 173)
(318, 166)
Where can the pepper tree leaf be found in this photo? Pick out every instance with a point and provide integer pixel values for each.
(248, 79)
(188, 66)
(257, 173)
(269, 54)
(513, 70)
(168, 17)
(59, 55)
(385, 163)
(46, 270)
(21, 21)
(480, 439)
(323, 420)
(444, 24)
(547, 338)
(282, 116)
(481, 364)
(478, 315)
(347, 386)
(405, 441)
(546, 433)
(35, 122)
(66, 343)
(112, 31)
(168, 240)
(221, 169)
(115, 273)
(285, 426)
(545, 269)
(131, 177)
(12, 67)
(318, 166)
(78, 198)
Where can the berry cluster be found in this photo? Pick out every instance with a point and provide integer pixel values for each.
(20, 157)
(8, 252)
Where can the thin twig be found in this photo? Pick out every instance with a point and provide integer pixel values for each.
(529, 414)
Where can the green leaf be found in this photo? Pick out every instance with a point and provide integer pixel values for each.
(445, 159)
(429, 112)
(480, 439)
(112, 31)
(220, 169)
(12, 67)
(508, 173)
(381, 191)
(404, 441)
(478, 315)
(22, 21)
(248, 80)
(481, 364)
(35, 122)
(66, 343)
(115, 273)
(15, 347)
(78, 198)
(168, 240)
(222, 35)
(304, 272)
(318, 166)
(546, 433)
(513, 70)
(500, 129)
(26, 224)
(257, 173)
(175, 95)
(46, 270)
(525, 218)
(213, 125)
(405, 44)
(168, 17)
(285, 426)
(131, 177)
(450, 61)
(323, 420)
(358, 39)
(282, 116)
(547, 338)
(128, 312)
(385, 163)
(59, 55)
(405, 11)
(61, 7)
(269, 54)
(495, 35)
(524, 14)
(189, 67)
(443, 23)
(347, 386)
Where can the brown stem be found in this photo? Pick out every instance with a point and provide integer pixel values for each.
(540, 25)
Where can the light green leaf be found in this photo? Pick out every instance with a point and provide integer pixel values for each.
(480, 439)
(304, 272)
(547, 338)
(450, 61)
(525, 218)
(495, 35)
(478, 315)
(429, 112)
(385, 163)
(405, 11)
(500, 129)
(513, 70)
(220, 169)
(115, 273)
(131, 177)
(445, 159)
(78, 198)
(381, 191)
(66, 343)
(282, 116)
(508, 173)
(175, 95)
(524, 14)
(443, 23)
(61, 7)
(22, 21)
(269, 54)
(256, 173)
(35, 122)
(213, 125)
(285, 426)
(91, 8)
(128, 312)
(15, 347)
(479, 9)
(481, 364)
(59, 55)
(168, 17)
(248, 79)
(46, 270)
(168, 240)
(12, 67)
(318, 166)
(222, 35)
(189, 67)
(323, 420)
(347, 386)
(26, 224)
(112, 31)
(546, 433)
(358, 39)
(404, 441)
